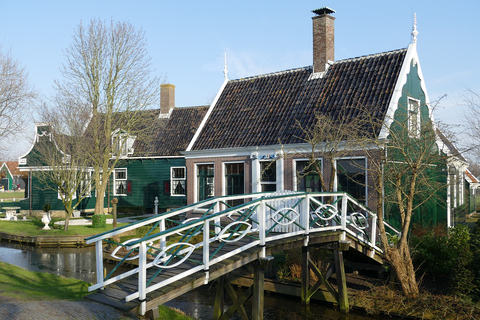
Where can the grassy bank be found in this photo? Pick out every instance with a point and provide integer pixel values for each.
(18, 284)
(22, 285)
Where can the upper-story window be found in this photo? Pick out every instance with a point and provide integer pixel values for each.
(122, 143)
(178, 181)
(414, 118)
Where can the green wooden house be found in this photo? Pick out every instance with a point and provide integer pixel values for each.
(150, 168)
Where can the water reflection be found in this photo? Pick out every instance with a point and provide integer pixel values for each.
(79, 263)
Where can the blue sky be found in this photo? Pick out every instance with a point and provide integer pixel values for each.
(188, 39)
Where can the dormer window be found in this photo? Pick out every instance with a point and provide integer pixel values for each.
(122, 144)
(414, 120)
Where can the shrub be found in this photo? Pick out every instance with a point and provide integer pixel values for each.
(99, 221)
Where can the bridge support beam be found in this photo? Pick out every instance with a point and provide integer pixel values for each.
(256, 292)
(308, 291)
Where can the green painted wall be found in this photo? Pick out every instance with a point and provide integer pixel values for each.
(148, 178)
(434, 211)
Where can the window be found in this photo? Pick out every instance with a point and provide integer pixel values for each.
(351, 178)
(122, 143)
(308, 179)
(86, 183)
(120, 182)
(178, 180)
(205, 179)
(234, 181)
(268, 176)
(413, 118)
(62, 195)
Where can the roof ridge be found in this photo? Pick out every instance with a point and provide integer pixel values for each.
(368, 56)
(276, 73)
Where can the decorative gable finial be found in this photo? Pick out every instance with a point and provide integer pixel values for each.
(225, 70)
(414, 31)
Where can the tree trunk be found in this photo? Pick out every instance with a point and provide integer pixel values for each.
(403, 266)
(100, 202)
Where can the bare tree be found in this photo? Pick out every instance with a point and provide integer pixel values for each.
(331, 137)
(409, 176)
(107, 71)
(16, 97)
(472, 123)
(63, 167)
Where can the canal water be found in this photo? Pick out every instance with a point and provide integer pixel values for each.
(79, 263)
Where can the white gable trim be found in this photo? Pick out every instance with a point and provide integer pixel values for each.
(207, 115)
(397, 93)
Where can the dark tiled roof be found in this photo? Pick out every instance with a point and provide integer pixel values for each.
(169, 137)
(263, 110)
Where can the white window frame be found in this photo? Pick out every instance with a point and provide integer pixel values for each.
(414, 112)
(174, 179)
(123, 179)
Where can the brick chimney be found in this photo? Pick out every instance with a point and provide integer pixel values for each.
(167, 99)
(323, 38)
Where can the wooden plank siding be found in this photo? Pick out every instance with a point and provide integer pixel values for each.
(148, 178)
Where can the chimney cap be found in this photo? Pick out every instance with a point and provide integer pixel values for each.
(324, 10)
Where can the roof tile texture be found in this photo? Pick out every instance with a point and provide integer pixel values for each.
(263, 110)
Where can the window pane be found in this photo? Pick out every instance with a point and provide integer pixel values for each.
(308, 179)
(178, 173)
(351, 177)
(205, 179)
(120, 173)
(269, 187)
(269, 171)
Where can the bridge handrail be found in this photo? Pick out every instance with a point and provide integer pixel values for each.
(254, 211)
(169, 214)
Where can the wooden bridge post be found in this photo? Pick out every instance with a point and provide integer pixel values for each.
(341, 280)
(258, 286)
(305, 297)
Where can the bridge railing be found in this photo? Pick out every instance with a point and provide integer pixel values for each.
(218, 231)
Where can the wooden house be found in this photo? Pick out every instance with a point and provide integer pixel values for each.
(150, 167)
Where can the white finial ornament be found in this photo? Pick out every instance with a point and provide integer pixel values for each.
(414, 31)
(225, 70)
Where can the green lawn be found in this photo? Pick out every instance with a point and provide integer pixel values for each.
(12, 194)
(26, 285)
(34, 228)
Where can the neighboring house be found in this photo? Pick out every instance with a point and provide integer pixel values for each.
(150, 167)
(254, 121)
(10, 177)
(472, 190)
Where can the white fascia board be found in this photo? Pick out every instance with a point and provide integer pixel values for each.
(412, 54)
(5, 165)
(207, 115)
(263, 150)
(37, 124)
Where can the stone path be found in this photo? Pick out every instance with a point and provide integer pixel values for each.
(60, 310)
